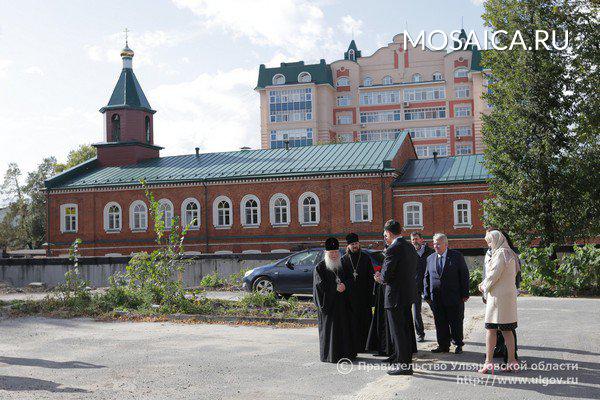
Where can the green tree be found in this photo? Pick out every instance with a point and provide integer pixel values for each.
(13, 232)
(36, 218)
(76, 157)
(541, 135)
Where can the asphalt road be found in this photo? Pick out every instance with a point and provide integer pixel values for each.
(83, 359)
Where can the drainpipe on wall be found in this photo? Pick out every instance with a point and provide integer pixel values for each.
(206, 215)
(48, 252)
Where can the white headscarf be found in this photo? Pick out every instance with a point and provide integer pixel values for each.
(499, 245)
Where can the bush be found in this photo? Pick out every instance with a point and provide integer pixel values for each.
(211, 280)
(256, 299)
(576, 274)
(475, 278)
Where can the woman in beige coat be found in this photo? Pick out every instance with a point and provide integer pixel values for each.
(500, 291)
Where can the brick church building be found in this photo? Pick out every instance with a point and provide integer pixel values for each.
(249, 201)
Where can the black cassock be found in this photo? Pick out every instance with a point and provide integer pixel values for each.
(361, 296)
(379, 339)
(334, 314)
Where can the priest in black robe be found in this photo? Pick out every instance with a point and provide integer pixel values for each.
(331, 294)
(379, 340)
(358, 263)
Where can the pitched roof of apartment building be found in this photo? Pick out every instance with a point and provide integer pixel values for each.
(320, 73)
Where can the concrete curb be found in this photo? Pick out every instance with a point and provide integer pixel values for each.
(224, 318)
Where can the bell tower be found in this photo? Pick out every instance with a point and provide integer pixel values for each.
(128, 121)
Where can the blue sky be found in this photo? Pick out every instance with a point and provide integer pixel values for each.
(197, 61)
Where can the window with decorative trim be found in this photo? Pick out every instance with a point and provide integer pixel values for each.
(387, 80)
(417, 78)
(278, 79)
(138, 216)
(462, 92)
(69, 218)
(279, 209)
(361, 206)
(342, 82)
(437, 76)
(250, 211)
(413, 214)
(190, 213)
(462, 214)
(112, 217)
(309, 211)
(222, 212)
(368, 81)
(461, 73)
(165, 210)
(304, 77)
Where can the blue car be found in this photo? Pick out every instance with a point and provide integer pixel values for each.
(294, 273)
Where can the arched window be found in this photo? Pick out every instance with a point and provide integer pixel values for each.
(413, 215)
(250, 211)
(387, 80)
(437, 76)
(462, 214)
(343, 82)
(138, 216)
(417, 78)
(147, 129)
(112, 217)
(116, 128)
(351, 55)
(309, 212)
(279, 206)
(304, 77)
(190, 213)
(368, 81)
(165, 209)
(278, 79)
(222, 212)
(461, 73)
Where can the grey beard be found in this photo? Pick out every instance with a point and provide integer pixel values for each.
(333, 265)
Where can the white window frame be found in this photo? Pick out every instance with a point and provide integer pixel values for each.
(462, 92)
(439, 74)
(463, 110)
(463, 149)
(131, 217)
(351, 55)
(458, 133)
(344, 119)
(338, 83)
(304, 74)
(243, 211)
(190, 200)
(416, 78)
(317, 206)
(387, 80)
(276, 77)
(215, 208)
(106, 217)
(345, 101)
(461, 72)
(168, 221)
(63, 210)
(274, 198)
(353, 217)
(419, 213)
(469, 223)
(368, 81)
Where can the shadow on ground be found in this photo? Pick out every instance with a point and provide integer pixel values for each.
(18, 383)
(36, 362)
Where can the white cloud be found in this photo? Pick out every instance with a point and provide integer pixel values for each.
(351, 26)
(34, 70)
(216, 112)
(4, 64)
(298, 27)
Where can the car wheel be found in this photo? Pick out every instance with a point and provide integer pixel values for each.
(263, 285)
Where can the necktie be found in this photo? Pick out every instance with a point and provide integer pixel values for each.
(439, 265)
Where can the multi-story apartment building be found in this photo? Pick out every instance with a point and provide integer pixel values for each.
(435, 96)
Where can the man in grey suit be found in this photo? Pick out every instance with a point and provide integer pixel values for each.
(398, 277)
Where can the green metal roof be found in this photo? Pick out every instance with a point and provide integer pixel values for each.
(297, 161)
(128, 93)
(320, 73)
(352, 46)
(429, 171)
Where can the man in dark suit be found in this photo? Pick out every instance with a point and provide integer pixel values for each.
(446, 289)
(398, 277)
(423, 251)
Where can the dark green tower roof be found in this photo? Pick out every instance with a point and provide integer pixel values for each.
(352, 46)
(320, 73)
(128, 94)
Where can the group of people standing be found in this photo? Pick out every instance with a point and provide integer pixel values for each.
(361, 310)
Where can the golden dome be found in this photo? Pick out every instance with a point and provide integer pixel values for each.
(127, 52)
